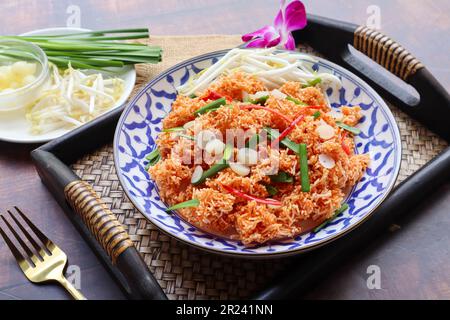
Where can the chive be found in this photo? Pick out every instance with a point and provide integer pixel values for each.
(306, 187)
(313, 82)
(262, 100)
(186, 204)
(282, 177)
(153, 158)
(193, 96)
(227, 152)
(296, 101)
(253, 141)
(271, 190)
(336, 213)
(186, 136)
(288, 143)
(353, 130)
(176, 129)
(212, 171)
(316, 114)
(212, 105)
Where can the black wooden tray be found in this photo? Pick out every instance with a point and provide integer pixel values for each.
(333, 39)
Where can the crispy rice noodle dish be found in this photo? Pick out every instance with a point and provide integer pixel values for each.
(288, 168)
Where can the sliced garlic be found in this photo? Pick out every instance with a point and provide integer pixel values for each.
(326, 161)
(278, 94)
(204, 137)
(189, 125)
(197, 174)
(239, 169)
(215, 147)
(325, 131)
(259, 94)
(247, 156)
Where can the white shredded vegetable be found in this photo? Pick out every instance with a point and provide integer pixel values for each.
(72, 98)
(272, 68)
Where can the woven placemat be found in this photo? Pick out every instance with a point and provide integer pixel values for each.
(188, 273)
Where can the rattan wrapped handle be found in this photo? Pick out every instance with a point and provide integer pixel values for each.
(98, 218)
(386, 52)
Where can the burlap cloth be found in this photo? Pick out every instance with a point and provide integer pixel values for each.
(188, 273)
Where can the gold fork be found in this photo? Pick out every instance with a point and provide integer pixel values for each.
(47, 263)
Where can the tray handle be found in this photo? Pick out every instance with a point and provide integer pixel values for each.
(98, 218)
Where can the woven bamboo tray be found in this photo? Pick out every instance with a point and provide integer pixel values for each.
(188, 273)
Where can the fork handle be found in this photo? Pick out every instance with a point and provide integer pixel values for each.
(77, 295)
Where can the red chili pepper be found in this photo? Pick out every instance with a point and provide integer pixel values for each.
(212, 95)
(345, 147)
(249, 197)
(278, 113)
(315, 107)
(288, 130)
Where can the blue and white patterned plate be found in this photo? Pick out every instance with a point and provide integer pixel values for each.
(142, 121)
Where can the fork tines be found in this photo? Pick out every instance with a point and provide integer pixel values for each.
(13, 227)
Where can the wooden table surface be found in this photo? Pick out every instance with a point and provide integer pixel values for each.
(414, 260)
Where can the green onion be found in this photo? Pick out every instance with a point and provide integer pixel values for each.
(176, 129)
(353, 130)
(336, 213)
(316, 114)
(186, 204)
(282, 177)
(212, 105)
(296, 101)
(186, 136)
(95, 49)
(212, 171)
(193, 96)
(306, 187)
(288, 143)
(227, 152)
(153, 158)
(262, 100)
(253, 141)
(313, 82)
(271, 190)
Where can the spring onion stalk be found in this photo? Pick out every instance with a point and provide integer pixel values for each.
(153, 158)
(282, 177)
(261, 100)
(211, 106)
(344, 126)
(288, 143)
(336, 213)
(316, 114)
(176, 129)
(186, 204)
(306, 187)
(186, 136)
(296, 101)
(217, 167)
(313, 83)
(98, 50)
(271, 190)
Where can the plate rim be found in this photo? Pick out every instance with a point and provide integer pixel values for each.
(43, 140)
(266, 255)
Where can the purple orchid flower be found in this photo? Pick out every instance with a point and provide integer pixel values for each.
(290, 18)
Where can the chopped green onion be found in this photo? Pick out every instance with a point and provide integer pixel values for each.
(211, 106)
(227, 152)
(212, 171)
(186, 204)
(271, 190)
(288, 143)
(296, 101)
(153, 158)
(176, 129)
(336, 213)
(306, 187)
(313, 82)
(193, 96)
(262, 100)
(282, 177)
(186, 136)
(353, 130)
(316, 114)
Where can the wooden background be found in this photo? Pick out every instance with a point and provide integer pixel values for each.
(414, 260)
